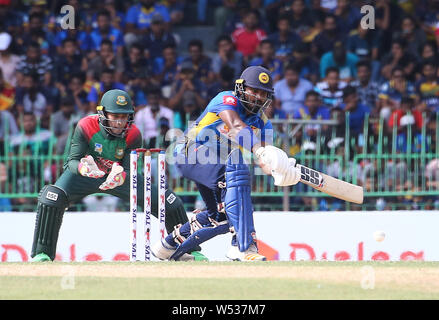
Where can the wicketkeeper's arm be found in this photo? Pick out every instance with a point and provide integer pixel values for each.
(78, 150)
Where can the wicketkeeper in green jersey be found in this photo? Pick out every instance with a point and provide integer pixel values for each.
(98, 162)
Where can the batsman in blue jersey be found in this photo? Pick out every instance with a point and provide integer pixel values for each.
(213, 155)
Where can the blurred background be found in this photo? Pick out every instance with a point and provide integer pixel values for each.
(357, 103)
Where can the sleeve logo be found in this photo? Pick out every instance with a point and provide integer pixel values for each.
(230, 100)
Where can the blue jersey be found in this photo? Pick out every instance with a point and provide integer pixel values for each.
(211, 132)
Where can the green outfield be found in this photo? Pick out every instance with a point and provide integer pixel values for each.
(220, 280)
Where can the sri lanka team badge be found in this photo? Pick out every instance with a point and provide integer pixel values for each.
(264, 78)
(119, 153)
(98, 148)
(121, 100)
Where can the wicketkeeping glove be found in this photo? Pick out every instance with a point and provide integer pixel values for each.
(88, 168)
(115, 178)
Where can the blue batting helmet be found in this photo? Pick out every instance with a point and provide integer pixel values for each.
(256, 77)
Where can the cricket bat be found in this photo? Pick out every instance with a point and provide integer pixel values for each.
(334, 187)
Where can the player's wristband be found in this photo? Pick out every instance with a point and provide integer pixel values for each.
(246, 138)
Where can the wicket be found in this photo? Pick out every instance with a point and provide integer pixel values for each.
(161, 174)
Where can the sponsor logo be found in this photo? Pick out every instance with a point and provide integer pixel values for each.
(121, 100)
(264, 78)
(230, 100)
(119, 153)
(98, 148)
(52, 196)
(171, 198)
(221, 184)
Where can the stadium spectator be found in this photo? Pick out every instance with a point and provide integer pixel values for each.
(347, 17)
(35, 141)
(309, 66)
(224, 83)
(165, 68)
(314, 110)
(138, 19)
(7, 94)
(289, 93)
(8, 127)
(147, 119)
(188, 94)
(248, 37)
(104, 30)
(266, 58)
(364, 43)
(31, 99)
(63, 120)
(397, 57)
(413, 36)
(331, 88)
(76, 90)
(35, 62)
(12, 21)
(427, 87)
(236, 21)
(176, 10)
(345, 62)
(223, 14)
(367, 89)
(202, 9)
(201, 63)
(357, 111)
(107, 82)
(36, 32)
(227, 56)
(136, 66)
(301, 19)
(105, 59)
(69, 62)
(392, 91)
(324, 41)
(405, 114)
(8, 60)
(157, 38)
(117, 17)
(284, 39)
(429, 51)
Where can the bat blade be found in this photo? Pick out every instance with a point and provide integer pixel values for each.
(334, 187)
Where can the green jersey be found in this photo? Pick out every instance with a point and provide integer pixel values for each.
(90, 138)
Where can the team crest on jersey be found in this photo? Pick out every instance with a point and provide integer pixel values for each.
(121, 100)
(119, 153)
(98, 148)
(230, 100)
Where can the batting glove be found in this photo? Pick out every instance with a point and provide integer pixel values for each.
(115, 178)
(275, 158)
(290, 177)
(88, 168)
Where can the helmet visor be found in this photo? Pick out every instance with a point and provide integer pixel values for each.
(254, 100)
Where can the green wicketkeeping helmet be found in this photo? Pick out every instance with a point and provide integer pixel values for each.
(115, 101)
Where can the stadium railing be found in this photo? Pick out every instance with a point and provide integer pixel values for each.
(398, 167)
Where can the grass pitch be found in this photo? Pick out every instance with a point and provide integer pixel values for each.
(220, 280)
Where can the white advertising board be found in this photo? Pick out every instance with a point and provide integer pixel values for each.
(104, 236)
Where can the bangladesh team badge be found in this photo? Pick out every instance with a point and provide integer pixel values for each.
(98, 148)
(119, 153)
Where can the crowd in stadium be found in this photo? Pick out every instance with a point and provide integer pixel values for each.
(323, 60)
